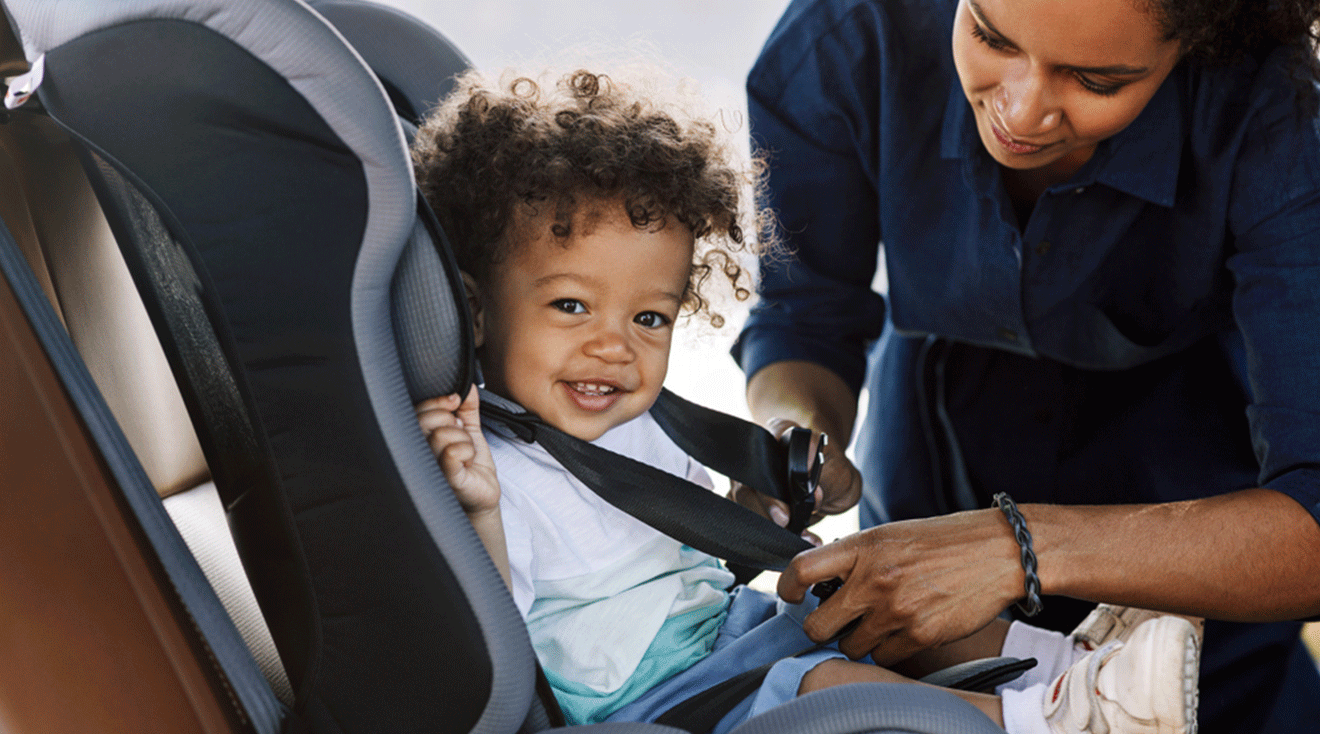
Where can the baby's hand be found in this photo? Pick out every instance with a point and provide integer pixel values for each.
(453, 429)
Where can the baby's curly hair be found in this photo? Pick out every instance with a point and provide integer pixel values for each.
(494, 149)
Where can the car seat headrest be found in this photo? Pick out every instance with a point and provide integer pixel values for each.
(414, 62)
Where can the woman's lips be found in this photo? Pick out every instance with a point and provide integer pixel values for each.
(1014, 146)
(593, 397)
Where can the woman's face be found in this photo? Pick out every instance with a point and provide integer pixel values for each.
(1049, 79)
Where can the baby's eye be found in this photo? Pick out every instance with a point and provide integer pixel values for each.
(651, 319)
(569, 305)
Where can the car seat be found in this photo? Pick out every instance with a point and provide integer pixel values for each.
(254, 174)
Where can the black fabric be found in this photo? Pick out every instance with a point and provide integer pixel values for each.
(738, 449)
(269, 207)
(980, 675)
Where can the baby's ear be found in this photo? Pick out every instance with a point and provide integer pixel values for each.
(474, 306)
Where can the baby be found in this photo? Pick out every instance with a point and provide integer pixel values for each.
(588, 216)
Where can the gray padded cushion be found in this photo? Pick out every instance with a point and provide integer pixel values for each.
(426, 320)
(897, 708)
(415, 59)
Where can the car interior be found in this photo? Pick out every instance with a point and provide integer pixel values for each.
(221, 294)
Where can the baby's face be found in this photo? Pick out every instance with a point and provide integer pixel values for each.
(578, 331)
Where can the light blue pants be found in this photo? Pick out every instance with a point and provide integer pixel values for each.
(760, 629)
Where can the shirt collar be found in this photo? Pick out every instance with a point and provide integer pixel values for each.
(1141, 160)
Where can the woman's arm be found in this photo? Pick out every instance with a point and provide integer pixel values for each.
(1248, 556)
(453, 430)
(1252, 555)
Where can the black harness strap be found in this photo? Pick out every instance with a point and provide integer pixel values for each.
(738, 449)
(676, 507)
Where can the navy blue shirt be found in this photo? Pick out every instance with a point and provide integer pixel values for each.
(1151, 332)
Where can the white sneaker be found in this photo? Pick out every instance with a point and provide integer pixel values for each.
(1146, 685)
(1108, 622)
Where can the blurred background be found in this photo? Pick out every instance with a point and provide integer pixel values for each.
(711, 42)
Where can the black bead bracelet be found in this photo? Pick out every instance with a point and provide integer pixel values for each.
(1031, 604)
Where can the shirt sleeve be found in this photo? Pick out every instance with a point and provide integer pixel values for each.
(814, 109)
(1275, 216)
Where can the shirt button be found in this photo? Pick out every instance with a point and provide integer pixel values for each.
(1007, 335)
(1043, 247)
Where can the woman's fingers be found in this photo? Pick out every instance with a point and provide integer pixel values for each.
(764, 505)
(811, 567)
(839, 480)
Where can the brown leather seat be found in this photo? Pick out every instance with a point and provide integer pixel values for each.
(52, 212)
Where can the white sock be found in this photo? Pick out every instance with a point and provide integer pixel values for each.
(1024, 711)
(1054, 651)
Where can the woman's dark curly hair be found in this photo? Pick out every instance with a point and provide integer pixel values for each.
(1222, 31)
(495, 151)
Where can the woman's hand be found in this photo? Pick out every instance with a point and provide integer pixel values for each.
(914, 585)
(453, 430)
(839, 488)
(786, 394)
(840, 483)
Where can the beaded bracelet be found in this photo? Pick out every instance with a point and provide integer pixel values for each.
(1031, 604)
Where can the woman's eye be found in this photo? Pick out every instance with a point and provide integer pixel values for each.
(1105, 90)
(995, 43)
(651, 319)
(569, 305)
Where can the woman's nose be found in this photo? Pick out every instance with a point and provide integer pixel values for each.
(1024, 103)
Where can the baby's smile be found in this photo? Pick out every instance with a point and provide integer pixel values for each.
(594, 396)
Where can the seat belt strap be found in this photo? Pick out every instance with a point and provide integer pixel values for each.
(685, 511)
(738, 449)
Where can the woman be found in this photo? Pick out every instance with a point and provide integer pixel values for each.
(1100, 224)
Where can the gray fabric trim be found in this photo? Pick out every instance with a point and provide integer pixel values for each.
(625, 727)
(303, 48)
(419, 61)
(901, 708)
(426, 319)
